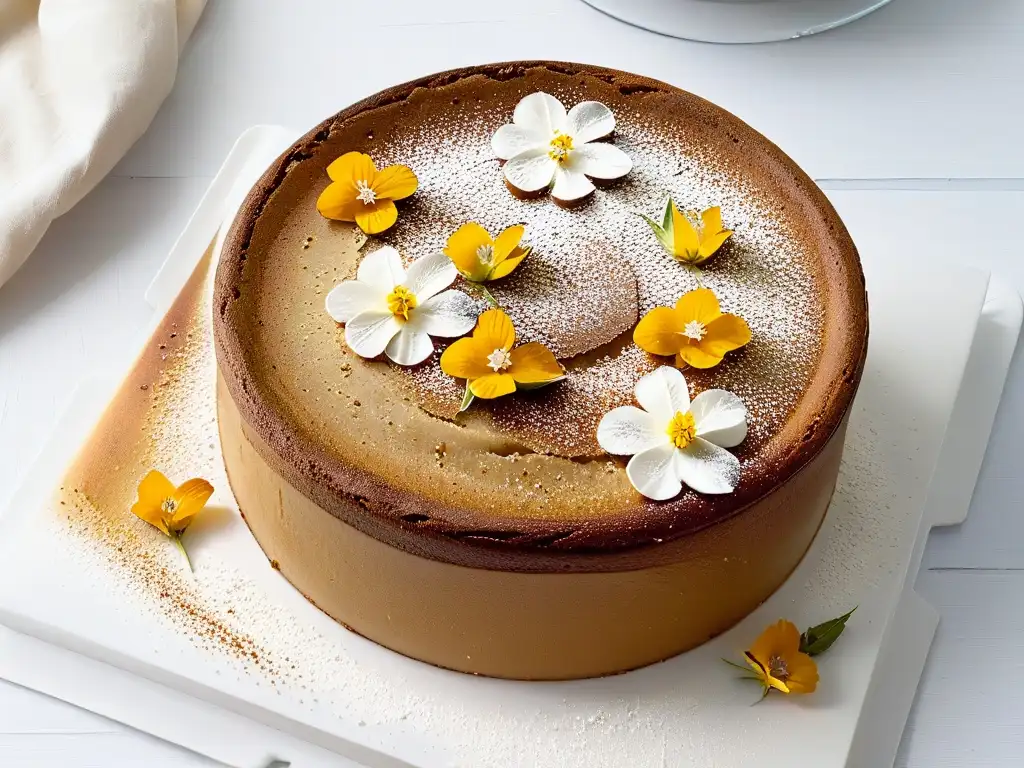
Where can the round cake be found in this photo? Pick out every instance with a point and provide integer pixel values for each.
(607, 437)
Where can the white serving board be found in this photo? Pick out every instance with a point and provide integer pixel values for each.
(79, 640)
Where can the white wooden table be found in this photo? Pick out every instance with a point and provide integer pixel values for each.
(912, 119)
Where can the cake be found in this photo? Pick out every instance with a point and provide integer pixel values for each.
(484, 523)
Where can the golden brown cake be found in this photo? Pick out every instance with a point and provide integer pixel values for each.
(504, 540)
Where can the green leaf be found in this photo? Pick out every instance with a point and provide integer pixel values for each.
(467, 399)
(537, 384)
(666, 217)
(819, 639)
(741, 667)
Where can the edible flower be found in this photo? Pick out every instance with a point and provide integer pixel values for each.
(779, 664)
(545, 146)
(395, 310)
(673, 441)
(359, 192)
(492, 366)
(695, 330)
(684, 242)
(481, 258)
(171, 509)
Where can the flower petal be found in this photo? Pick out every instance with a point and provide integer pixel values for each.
(693, 355)
(712, 234)
(778, 639)
(382, 269)
(803, 673)
(349, 298)
(509, 140)
(376, 217)
(590, 120)
(451, 313)
(570, 184)
(466, 359)
(338, 201)
(409, 346)
(663, 393)
(504, 269)
(154, 489)
(368, 333)
(601, 161)
(352, 167)
(507, 241)
(629, 430)
(395, 182)
(492, 385)
(699, 304)
(494, 329)
(724, 334)
(462, 247)
(429, 275)
(651, 472)
(530, 171)
(190, 498)
(706, 468)
(659, 332)
(720, 417)
(540, 113)
(534, 363)
(687, 243)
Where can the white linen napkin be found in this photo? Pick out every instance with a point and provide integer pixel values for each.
(80, 81)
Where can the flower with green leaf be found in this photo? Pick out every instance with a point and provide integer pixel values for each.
(687, 238)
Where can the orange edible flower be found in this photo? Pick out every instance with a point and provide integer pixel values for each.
(778, 662)
(481, 258)
(490, 364)
(168, 509)
(695, 331)
(359, 192)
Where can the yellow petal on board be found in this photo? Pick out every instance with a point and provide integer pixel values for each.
(504, 269)
(507, 241)
(376, 217)
(492, 385)
(190, 499)
(494, 329)
(462, 247)
(154, 490)
(699, 304)
(533, 363)
(338, 201)
(724, 334)
(658, 332)
(353, 167)
(395, 182)
(686, 243)
(692, 354)
(466, 359)
(803, 673)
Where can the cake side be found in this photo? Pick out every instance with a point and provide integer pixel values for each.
(493, 490)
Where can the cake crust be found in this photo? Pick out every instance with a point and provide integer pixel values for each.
(631, 533)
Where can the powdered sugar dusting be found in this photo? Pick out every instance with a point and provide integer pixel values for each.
(572, 291)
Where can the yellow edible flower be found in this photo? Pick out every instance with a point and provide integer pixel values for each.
(359, 192)
(778, 662)
(481, 258)
(490, 364)
(689, 244)
(169, 509)
(695, 331)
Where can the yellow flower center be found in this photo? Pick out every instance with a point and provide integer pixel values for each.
(499, 360)
(778, 668)
(400, 301)
(682, 430)
(561, 145)
(694, 330)
(367, 195)
(485, 253)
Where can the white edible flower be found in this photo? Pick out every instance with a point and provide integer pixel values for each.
(544, 146)
(674, 441)
(394, 310)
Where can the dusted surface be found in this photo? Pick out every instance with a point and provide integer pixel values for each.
(519, 483)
